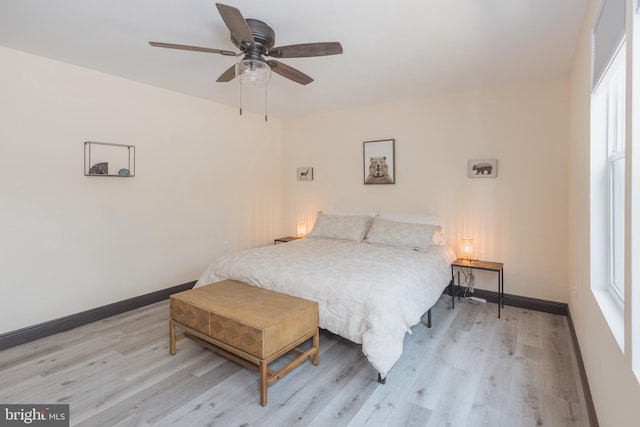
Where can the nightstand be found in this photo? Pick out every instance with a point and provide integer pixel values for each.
(285, 239)
(486, 266)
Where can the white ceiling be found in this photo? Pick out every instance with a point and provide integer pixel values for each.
(393, 49)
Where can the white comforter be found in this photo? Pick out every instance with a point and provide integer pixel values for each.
(369, 294)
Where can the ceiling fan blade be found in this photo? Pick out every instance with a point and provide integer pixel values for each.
(306, 50)
(289, 72)
(193, 48)
(237, 25)
(228, 75)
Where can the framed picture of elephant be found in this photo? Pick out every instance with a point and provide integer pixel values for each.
(379, 164)
(482, 168)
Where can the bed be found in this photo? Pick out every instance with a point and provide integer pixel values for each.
(373, 277)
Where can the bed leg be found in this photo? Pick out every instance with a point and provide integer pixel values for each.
(381, 380)
(429, 318)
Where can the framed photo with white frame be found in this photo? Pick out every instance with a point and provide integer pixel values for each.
(379, 162)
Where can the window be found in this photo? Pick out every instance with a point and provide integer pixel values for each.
(609, 99)
(616, 76)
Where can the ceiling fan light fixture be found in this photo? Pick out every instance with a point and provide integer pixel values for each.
(253, 73)
(256, 39)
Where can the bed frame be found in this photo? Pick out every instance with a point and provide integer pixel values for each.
(450, 286)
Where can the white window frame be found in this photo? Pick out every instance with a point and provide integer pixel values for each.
(604, 122)
(614, 82)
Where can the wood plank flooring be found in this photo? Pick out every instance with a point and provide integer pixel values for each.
(471, 369)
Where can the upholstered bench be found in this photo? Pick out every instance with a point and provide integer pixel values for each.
(247, 324)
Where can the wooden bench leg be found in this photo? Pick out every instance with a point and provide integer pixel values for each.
(267, 377)
(172, 337)
(263, 383)
(316, 345)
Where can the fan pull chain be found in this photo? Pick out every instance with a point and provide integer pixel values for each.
(266, 117)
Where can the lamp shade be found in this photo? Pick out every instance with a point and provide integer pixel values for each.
(301, 229)
(466, 248)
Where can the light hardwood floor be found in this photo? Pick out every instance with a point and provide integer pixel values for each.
(470, 369)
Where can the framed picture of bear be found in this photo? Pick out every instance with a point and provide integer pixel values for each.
(482, 168)
(379, 162)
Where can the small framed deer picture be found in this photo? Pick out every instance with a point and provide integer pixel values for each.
(305, 174)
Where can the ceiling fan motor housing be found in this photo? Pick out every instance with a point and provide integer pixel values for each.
(264, 36)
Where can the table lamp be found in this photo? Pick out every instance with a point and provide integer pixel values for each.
(466, 249)
(301, 229)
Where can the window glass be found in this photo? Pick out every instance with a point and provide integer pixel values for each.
(617, 227)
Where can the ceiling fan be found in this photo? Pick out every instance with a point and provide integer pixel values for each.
(256, 41)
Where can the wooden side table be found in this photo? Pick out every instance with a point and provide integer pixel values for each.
(285, 239)
(498, 267)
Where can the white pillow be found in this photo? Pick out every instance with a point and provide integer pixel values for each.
(438, 235)
(401, 235)
(346, 227)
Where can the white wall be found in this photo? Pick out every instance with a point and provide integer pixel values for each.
(68, 242)
(615, 389)
(517, 218)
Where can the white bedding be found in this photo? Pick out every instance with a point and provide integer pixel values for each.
(369, 294)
